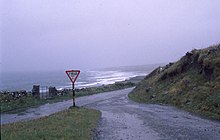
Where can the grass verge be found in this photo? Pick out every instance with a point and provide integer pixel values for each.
(75, 123)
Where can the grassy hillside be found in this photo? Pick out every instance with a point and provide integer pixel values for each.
(192, 83)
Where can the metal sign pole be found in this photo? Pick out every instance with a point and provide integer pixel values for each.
(74, 104)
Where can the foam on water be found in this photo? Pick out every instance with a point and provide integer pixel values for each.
(25, 80)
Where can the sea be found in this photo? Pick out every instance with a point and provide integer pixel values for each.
(13, 81)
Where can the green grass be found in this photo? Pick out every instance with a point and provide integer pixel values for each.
(192, 83)
(25, 102)
(75, 123)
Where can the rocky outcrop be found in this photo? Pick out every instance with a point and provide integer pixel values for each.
(206, 62)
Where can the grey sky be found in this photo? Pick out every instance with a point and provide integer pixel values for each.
(62, 34)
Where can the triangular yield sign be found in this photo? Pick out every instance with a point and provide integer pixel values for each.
(73, 75)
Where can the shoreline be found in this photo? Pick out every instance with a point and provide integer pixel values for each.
(135, 80)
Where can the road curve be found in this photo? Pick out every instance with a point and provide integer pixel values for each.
(48, 109)
(124, 119)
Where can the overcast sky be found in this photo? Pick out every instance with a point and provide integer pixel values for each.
(84, 34)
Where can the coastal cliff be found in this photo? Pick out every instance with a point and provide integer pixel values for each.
(192, 83)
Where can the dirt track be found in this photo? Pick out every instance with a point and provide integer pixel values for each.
(125, 119)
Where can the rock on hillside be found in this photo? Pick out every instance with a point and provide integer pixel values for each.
(192, 83)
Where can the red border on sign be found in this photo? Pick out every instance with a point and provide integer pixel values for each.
(77, 71)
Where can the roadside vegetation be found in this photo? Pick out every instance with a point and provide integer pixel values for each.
(75, 123)
(192, 83)
(10, 104)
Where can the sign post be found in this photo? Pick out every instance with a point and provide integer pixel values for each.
(73, 75)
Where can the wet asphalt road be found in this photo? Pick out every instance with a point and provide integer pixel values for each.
(123, 119)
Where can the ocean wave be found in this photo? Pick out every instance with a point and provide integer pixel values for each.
(61, 81)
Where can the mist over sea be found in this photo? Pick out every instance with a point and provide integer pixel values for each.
(96, 77)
